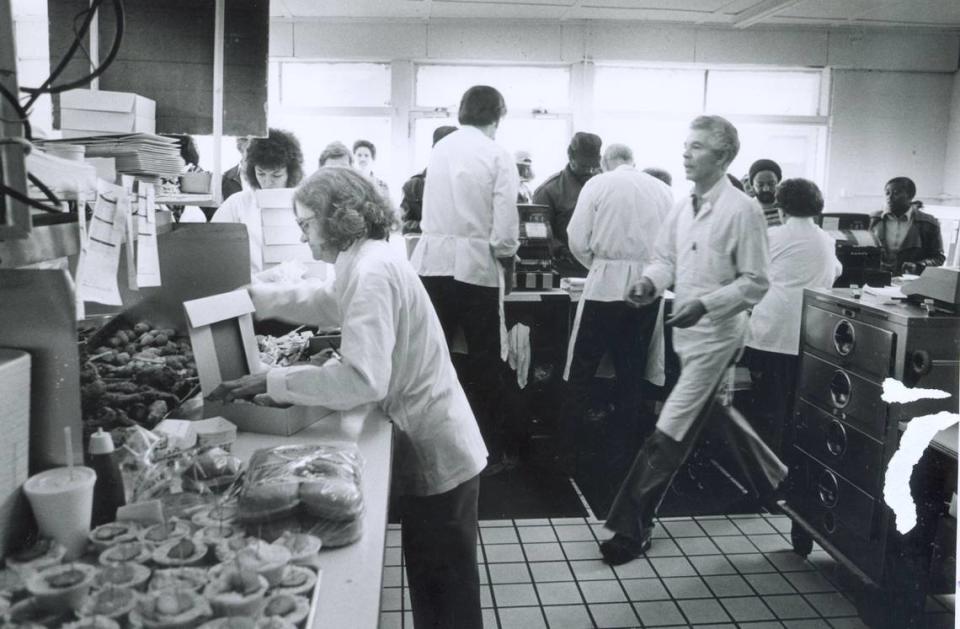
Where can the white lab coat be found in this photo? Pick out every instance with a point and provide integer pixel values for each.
(470, 216)
(612, 232)
(720, 257)
(393, 353)
(801, 256)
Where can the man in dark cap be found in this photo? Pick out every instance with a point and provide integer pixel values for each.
(411, 205)
(765, 175)
(560, 193)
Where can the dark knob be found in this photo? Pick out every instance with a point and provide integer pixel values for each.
(920, 362)
(844, 337)
(840, 389)
(836, 438)
(828, 489)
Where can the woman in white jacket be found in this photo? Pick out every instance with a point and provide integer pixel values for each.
(394, 353)
(801, 256)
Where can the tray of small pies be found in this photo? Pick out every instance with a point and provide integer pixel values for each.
(200, 570)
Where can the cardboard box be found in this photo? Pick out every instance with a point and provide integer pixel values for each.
(281, 234)
(225, 348)
(98, 111)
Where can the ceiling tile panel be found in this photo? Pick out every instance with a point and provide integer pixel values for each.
(496, 10)
(705, 6)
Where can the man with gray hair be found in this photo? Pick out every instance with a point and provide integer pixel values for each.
(612, 233)
(713, 251)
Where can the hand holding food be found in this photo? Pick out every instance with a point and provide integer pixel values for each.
(244, 387)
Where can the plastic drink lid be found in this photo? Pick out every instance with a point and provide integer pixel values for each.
(59, 480)
(101, 442)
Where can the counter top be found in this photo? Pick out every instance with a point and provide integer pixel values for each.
(350, 584)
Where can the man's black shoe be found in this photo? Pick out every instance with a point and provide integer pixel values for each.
(621, 549)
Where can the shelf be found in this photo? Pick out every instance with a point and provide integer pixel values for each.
(200, 200)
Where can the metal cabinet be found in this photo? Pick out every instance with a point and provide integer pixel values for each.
(842, 433)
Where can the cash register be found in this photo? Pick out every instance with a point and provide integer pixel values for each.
(857, 249)
(535, 270)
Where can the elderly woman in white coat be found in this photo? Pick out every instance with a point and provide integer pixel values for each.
(394, 354)
(801, 256)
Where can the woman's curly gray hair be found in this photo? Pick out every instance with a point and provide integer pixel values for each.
(348, 206)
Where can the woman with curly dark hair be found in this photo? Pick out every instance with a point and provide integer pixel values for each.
(275, 161)
(393, 353)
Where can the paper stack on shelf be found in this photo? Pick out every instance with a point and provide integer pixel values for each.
(145, 155)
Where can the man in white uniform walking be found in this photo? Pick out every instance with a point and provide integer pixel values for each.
(713, 251)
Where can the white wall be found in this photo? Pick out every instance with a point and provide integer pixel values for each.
(884, 125)
(893, 90)
(951, 164)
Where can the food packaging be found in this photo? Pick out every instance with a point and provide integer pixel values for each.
(195, 183)
(319, 484)
(225, 347)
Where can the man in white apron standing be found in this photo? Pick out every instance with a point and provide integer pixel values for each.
(612, 233)
(713, 251)
(465, 256)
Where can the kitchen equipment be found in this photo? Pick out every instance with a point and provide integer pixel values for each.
(535, 269)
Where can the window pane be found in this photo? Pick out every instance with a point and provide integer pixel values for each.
(335, 84)
(522, 88)
(799, 149)
(315, 132)
(644, 89)
(775, 93)
(545, 139)
(656, 142)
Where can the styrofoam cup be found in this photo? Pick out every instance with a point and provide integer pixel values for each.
(62, 503)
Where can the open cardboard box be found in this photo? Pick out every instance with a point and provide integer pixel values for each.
(225, 348)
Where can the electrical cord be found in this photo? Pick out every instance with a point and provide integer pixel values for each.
(19, 196)
(49, 88)
(19, 109)
(43, 188)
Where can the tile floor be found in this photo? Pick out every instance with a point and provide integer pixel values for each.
(713, 571)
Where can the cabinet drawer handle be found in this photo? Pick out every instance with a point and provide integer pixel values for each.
(844, 337)
(841, 389)
(836, 438)
(828, 489)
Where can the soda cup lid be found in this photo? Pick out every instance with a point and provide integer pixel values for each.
(101, 442)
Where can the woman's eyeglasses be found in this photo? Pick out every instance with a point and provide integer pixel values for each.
(304, 221)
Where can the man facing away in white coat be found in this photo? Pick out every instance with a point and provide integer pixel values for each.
(612, 233)
(713, 251)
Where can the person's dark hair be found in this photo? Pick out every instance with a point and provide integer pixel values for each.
(799, 197)
(441, 132)
(368, 144)
(722, 133)
(334, 150)
(188, 149)
(278, 149)
(904, 182)
(347, 205)
(481, 105)
(660, 174)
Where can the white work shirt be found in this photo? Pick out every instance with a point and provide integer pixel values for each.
(801, 256)
(614, 228)
(718, 256)
(241, 207)
(469, 209)
(394, 354)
